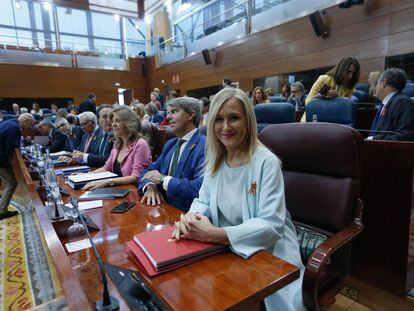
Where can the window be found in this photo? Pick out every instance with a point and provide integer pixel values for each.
(6, 13)
(104, 25)
(72, 21)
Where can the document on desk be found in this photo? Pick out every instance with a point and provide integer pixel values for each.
(78, 245)
(88, 204)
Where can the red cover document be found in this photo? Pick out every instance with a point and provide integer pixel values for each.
(162, 251)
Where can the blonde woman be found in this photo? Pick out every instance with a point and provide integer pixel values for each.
(130, 154)
(241, 201)
(373, 78)
(259, 96)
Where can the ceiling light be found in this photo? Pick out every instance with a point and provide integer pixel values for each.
(116, 17)
(147, 19)
(47, 6)
(17, 4)
(184, 7)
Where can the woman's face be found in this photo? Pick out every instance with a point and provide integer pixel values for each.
(230, 125)
(118, 127)
(153, 98)
(350, 73)
(284, 88)
(258, 95)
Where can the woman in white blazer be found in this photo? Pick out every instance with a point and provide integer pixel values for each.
(242, 201)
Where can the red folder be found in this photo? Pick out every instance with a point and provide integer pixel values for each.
(162, 252)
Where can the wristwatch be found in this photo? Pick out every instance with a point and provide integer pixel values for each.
(111, 182)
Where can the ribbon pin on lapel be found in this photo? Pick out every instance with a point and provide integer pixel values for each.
(253, 188)
(192, 147)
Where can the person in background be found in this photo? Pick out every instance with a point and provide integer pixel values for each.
(61, 113)
(155, 116)
(205, 104)
(131, 153)
(269, 92)
(54, 108)
(24, 110)
(226, 82)
(74, 133)
(16, 109)
(241, 202)
(69, 106)
(160, 97)
(89, 104)
(155, 101)
(178, 172)
(172, 94)
(1, 117)
(10, 134)
(395, 116)
(297, 96)
(139, 109)
(74, 111)
(285, 89)
(36, 109)
(340, 81)
(57, 140)
(373, 78)
(72, 119)
(259, 96)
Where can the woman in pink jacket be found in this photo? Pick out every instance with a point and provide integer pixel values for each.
(130, 155)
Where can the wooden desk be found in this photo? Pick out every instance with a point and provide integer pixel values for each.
(223, 281)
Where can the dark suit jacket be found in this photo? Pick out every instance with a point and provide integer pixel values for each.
(93, 147)
(301, 103)
(87, 105)
(99, 159)
(398, 118)
(157, 118)
(188, 176)
(58, 142)
(75, 139)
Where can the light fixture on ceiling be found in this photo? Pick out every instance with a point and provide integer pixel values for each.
(68, 11)
(147, 19)
(116, 17)
(184, 7)
(47, 6)
(17, 4)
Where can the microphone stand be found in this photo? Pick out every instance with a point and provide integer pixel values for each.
(108, 303)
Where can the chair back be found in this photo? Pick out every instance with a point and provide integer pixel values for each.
(9, 116)
(364, 87)
(335, 110)
(361, 96)
(153, 138)
(273, 113)
(277, 99)
(321, 165)
(408, 90)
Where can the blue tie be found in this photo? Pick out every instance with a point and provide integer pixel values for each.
(376, 120)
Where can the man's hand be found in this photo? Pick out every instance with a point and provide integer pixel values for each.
(77, 156)
(152, 196)
(153, 176)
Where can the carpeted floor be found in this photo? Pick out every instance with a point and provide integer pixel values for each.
(28, 280)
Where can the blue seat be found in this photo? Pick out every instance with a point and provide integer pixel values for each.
(3, 112)
(408, 90)
(273, 113)
(336, 110)
(46, 111)
(52, 118)
(361, 96)
(364, 87)
(277, 99)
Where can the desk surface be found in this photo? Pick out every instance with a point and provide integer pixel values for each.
(223, 281)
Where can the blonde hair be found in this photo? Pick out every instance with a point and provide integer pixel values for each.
(216, 151)
(131, 121)
(373, 78)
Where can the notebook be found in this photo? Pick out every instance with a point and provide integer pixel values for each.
(104, 193)
(162, 252)
(78, 181)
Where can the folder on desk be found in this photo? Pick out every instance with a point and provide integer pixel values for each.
(56, 155)
(78, 181)
(156, 253)
(73, 169)
(104, 193)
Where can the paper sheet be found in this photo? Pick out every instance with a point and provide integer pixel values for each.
(78, 245)
(88, 204)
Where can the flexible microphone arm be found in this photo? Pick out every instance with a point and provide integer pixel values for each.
(108, 302)
(378, 131)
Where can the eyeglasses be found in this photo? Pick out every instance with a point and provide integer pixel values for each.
(62, 125)
(83, 124)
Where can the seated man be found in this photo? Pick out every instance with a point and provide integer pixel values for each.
(95, 147)
(297, 97)
(395, 116)
(74, 133)
(178, 171)
(57, 141)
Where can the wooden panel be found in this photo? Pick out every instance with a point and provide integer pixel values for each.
(368, 32)
(41, 81)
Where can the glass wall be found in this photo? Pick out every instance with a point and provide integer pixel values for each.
(31, 25)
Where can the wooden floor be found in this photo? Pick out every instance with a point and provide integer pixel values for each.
(344, 303)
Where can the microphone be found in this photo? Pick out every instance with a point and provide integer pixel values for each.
(108, 303)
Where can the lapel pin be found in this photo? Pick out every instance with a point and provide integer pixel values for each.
(192, 147)
(253, 188)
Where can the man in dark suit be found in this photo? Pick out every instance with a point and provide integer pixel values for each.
(57, 140)
(297, 98)
(15, 110)
(89, 104)
(155, 115)
(177, 173)
(395, 116)
(74, 133)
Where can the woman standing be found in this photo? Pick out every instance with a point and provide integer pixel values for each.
(241, 201)
(130, 155)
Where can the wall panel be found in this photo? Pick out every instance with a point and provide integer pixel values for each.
(369, 32)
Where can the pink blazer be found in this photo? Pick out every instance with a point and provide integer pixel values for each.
(137, 158)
